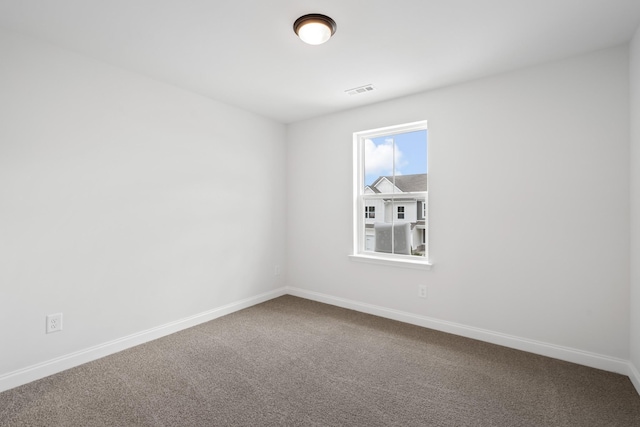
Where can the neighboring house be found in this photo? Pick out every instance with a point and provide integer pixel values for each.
(397, 209)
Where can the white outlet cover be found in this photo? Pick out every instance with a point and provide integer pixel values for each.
(422, 291)
(54, 322)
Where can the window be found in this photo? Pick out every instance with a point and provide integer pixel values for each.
(390, 195)
(370, 212)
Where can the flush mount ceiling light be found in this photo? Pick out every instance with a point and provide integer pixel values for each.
(314, 28)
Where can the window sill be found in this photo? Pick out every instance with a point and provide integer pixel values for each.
(402, 263)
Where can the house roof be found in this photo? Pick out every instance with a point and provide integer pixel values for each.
(405, 183)
(372, 188)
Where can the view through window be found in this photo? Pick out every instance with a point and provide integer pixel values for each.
(391, 181)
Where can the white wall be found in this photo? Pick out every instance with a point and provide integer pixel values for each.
(111, 205)
(528, 206)
(111, 208)
(635, 207)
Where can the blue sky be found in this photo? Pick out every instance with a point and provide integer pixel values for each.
(410, 155)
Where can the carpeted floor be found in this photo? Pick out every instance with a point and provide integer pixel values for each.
(293, 362)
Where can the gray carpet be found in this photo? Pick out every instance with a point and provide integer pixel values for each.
(293, 362)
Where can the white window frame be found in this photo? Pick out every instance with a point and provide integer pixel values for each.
(359, 253)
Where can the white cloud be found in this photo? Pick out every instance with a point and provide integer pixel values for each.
(378, 159)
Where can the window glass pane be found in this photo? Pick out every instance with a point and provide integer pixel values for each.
(395, 165)
(420, 229)
(378, 165)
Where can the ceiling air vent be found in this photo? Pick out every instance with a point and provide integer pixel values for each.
(359, 90)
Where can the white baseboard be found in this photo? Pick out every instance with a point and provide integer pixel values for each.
(50, 367)
(634, 376)
(580, 357)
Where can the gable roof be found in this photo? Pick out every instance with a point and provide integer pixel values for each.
(372, 188)
(406, 183)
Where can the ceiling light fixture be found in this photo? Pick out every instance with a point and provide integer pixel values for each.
(314, 28)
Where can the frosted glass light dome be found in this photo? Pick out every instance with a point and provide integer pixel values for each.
(314, 28)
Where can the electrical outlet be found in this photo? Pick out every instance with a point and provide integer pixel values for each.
(54, 323)
(422, 291)
(276, 270)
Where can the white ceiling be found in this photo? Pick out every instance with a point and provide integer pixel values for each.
(245, 53)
